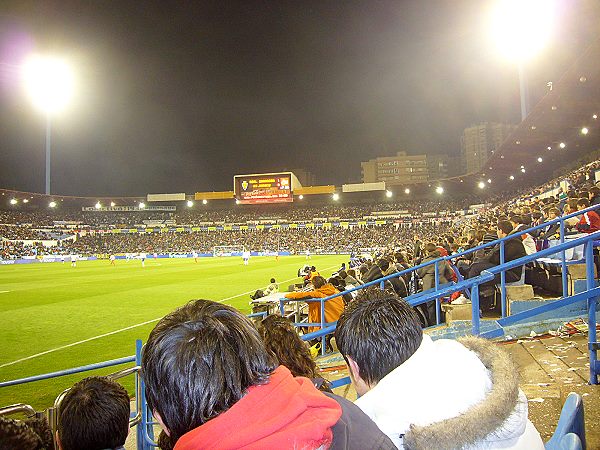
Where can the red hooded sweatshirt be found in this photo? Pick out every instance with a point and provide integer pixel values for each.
(285, 413)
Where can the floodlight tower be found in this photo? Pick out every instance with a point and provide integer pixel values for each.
(49, 83)
(521, 29)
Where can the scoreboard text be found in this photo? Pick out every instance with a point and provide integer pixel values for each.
(271, 188)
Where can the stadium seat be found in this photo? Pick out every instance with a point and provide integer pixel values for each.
(570, 441)
(571, 421)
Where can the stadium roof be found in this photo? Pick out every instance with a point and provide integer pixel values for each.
(571, 104)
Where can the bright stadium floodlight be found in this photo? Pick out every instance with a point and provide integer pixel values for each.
(204, 202)
(25, 200)
(407, 191)
(523, 169)
(512, 177)
(562, 145)
(481, 185)
(141, 205)
(112, 204)
(595, 116)
(521, 28)
(189, 203)
(98, 205)
(540, 159)
(489, 181)
(549, 148)
(301, 197)
(49, 82)
(13, 201)
(388, 194)
(52, 204)
(439, 190)
(584, 131)
(335, 197)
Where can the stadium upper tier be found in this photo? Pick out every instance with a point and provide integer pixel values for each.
(28, 231)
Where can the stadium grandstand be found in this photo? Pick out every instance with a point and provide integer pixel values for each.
(494, 273)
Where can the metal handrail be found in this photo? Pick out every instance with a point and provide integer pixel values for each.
(500, 242)
(60, 373)
(17, 408)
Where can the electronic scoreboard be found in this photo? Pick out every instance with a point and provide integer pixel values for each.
(264, 188)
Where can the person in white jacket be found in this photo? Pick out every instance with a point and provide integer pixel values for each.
(425, 394)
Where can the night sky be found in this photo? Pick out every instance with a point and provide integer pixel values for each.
(180, 96)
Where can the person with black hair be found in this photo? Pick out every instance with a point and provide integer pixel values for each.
(93, 415)
(395, 370)
(29, 434)
(211, 383)
(589, 222)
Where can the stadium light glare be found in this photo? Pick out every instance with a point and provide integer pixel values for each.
(584, 131)
(407, 191)
(595, 116)
(521, 28)
(300, 197)
(189, 203)
(512, 177)
(141, 205)
(523, 169)
(13, 201)
(489, 180)
(335, 197)
(204, 202)
(439, 190)
(481, 185)
(52, 204)
(237, 202)
(112, 204)
(562, 145)
(549, 148)
(98, 205)
(388, 194)
(49, 82)
(25, 200)
(540, 159)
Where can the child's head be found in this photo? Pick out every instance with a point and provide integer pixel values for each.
(94, 414)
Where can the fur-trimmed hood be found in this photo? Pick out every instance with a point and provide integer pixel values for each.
(500, 415)
(453, 394)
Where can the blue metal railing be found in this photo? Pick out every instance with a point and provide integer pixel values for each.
(501, 268)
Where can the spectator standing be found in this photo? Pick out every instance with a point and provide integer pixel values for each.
(322, 289)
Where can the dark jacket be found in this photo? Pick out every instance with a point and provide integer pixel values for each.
(355, 430)
(550, 232)
(513, 249)
(427, 274)
(397, 284)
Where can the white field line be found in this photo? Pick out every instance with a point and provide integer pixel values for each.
(4, 292)
(100, 336)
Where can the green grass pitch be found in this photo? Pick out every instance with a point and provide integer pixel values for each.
(53, 308)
